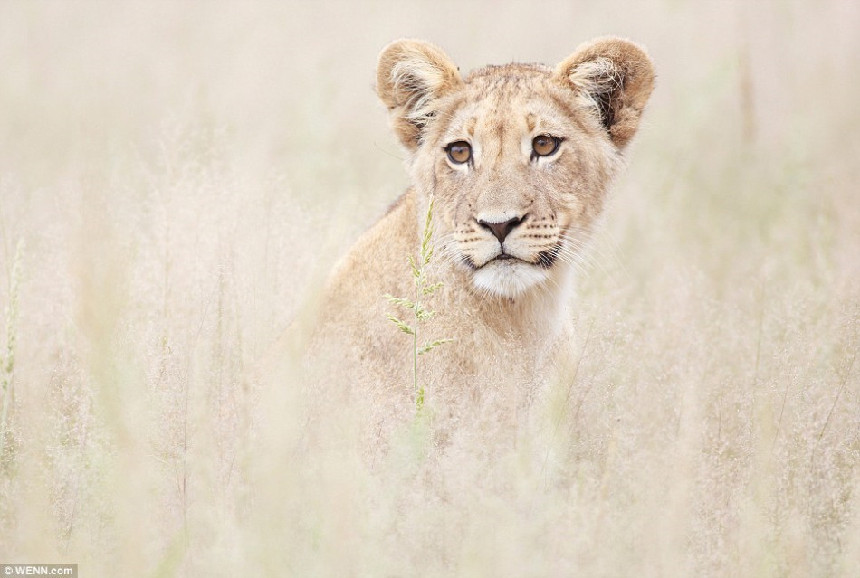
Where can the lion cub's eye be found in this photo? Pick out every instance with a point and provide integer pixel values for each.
(459, 152)
(545, 145)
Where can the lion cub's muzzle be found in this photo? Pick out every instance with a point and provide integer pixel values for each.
(527, 239)
(509, 255)
(544, 258)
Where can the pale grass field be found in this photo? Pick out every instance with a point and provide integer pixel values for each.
(177, 178)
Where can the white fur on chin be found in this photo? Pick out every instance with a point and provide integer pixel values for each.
(508, 278)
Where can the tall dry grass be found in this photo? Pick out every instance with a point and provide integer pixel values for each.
(176, 178)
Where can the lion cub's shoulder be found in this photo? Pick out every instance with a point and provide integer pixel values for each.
(376, 262)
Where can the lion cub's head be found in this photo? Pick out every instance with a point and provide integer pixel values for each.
(518, 156)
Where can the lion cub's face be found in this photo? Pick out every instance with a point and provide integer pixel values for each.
(518, 157)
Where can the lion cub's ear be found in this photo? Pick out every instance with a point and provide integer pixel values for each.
(410, 76)
(616, 77)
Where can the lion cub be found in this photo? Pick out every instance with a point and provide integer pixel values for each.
(518, 159)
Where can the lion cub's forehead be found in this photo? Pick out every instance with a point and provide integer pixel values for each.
(514, 95)
(510, 82)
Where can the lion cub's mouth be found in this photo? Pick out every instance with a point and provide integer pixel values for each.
(544, 259)
(507, 276)
(499, 258)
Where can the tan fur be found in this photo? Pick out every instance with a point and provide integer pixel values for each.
(505, 316)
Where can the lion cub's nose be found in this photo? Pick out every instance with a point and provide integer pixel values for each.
(501, 230)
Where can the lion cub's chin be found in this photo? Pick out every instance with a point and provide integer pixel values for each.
(508, 278)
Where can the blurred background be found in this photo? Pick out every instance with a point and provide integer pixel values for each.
(176, 178)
